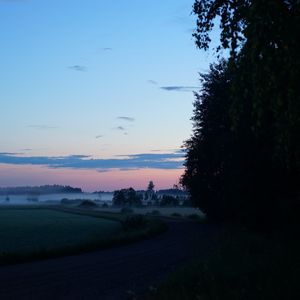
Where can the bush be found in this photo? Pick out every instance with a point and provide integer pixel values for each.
(169, 201)
(88, 204)
(105, 205)
(127, 210)
(66, 201)
(126, 197)
(194, 217)
(134, 222)
(186, 203)
(176, 215)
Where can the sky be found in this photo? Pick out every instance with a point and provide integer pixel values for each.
(96, 94)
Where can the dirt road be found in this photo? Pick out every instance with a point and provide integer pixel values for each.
(107, 274)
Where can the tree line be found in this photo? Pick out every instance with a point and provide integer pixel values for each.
(243, 158)
(39, 190)
(168, 197)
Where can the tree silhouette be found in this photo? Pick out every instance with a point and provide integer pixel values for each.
(243, 159)
(150, 186)
(126, 197)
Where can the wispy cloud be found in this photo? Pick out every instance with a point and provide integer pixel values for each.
(99, 136)
(107, 49)
(42, 127)
(129, 119)
(9, 153)
(166, 150)
(129, 169)
(121, 128)
(132, 161)
(152, 81)
(179, 88)
(78, 68)
(103, 170)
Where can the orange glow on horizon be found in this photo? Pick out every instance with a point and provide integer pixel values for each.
(88, 180)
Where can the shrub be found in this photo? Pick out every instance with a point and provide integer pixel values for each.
(66, 201)
(88, 204)
(127, 210)
(134, 222)
(194, 217)
(176, 215)
(126, 197)
(169, 201)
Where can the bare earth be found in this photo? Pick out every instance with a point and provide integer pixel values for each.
(107, 274)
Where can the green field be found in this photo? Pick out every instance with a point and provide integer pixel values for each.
(27, 231)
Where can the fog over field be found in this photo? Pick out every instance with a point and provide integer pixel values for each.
(29, 199)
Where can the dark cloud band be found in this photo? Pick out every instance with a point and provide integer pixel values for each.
(78, 68)
(178, 88)
(130, 119)
(136, 161)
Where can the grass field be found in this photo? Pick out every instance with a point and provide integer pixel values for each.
(37, 232)
(25, 231)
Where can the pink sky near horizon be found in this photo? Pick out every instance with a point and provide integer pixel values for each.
(88, 180)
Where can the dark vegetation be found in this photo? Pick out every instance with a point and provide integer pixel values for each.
(127, 210)
(243, 158)
(167, 200)
(88, 204)
(134, 222)
(194, 217)
(126, 197)
(155, 212)
(66, 201)
(176, 215)
(130, 198)
(39, 190)
(173, 192)
(239, 264)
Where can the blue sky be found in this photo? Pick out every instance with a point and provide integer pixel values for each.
(97, 79)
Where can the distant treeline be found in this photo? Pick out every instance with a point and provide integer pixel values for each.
(175, 192)
(39, 190)
(102, 192)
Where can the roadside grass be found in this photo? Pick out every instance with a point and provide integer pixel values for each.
(154, 212)
(176, 215)
(241, 265)
(127, 210)
(196, 217)
(33, 233)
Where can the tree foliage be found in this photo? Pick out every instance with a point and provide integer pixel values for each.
(150, 186)
(209, 150)
(244, 156)
(126, 197)
(168, 200)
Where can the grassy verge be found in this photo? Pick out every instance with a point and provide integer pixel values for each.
(241, 265)
(130, 230)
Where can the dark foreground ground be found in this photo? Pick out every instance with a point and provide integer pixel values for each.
(116, 273)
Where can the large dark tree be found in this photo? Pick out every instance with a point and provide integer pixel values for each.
(208, 150)
(257, 165)
(263, 38)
